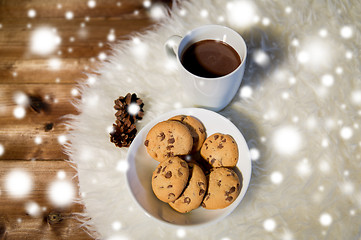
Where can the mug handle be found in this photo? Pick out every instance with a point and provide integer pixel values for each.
(171, 46)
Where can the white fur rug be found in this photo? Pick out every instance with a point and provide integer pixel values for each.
(299, 108)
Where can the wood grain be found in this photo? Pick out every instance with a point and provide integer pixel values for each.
(48, 104)
(16, 222)
(30, 143)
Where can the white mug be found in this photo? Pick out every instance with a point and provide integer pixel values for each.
(211, 93)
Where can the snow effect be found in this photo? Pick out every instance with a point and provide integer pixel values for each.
(276, 177)
(287, 140)
(241, 14)
(44, 41)
(18, 183)
(69, 15)
(255, 154)
(269, 225)
(181, 233)
(91, 3)
(33, 209)
(346, 32)
(246, 92)
(116, 225)
(19, 112)
(62, 139)
(2, 149)
(325, 219)
(38, 140)
(61, 193)
(31, 13)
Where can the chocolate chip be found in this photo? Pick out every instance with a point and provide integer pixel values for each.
(169, 186)
(168, 174)
(164, 168)
(180, 173)
(216, 136)
(162, 136)
(183, 164)
(210, 141)
(155, 176)
(169, 147)
(224, 140)
(201, 130)
(146, 142)
(220, 146)
(171, 195)
(229, 198)
(160, 168)
(170, 161)
(201, 184)
(170, 154)
(213, 160)
(201, 192)
(219, 183)
(222, 137)
(187, 200)
(232, 189)
(171, 140)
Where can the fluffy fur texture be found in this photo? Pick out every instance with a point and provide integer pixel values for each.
(298, 107)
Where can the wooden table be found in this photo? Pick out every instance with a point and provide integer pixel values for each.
(30, 140)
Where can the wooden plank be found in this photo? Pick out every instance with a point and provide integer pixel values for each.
(51, 222)
(79, 45)
(48, 103)
(32, 71)
(82, 31)
(40, 71)
(19, 64)
(56, 9)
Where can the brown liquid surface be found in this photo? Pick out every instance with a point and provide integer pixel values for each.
(210, 59)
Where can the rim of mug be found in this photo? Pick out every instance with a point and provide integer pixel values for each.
(243, 61)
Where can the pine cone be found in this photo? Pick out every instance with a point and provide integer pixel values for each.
(129, 109)
(123, 135)
(123, 104)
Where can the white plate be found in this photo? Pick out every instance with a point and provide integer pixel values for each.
(141, 167)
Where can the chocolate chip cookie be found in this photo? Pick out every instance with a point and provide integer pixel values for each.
(220, 150)
(193, 194)
(196, 127)
(170, 178)
(224, 187)
(168, 139)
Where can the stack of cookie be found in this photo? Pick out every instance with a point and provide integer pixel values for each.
(194, 170)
